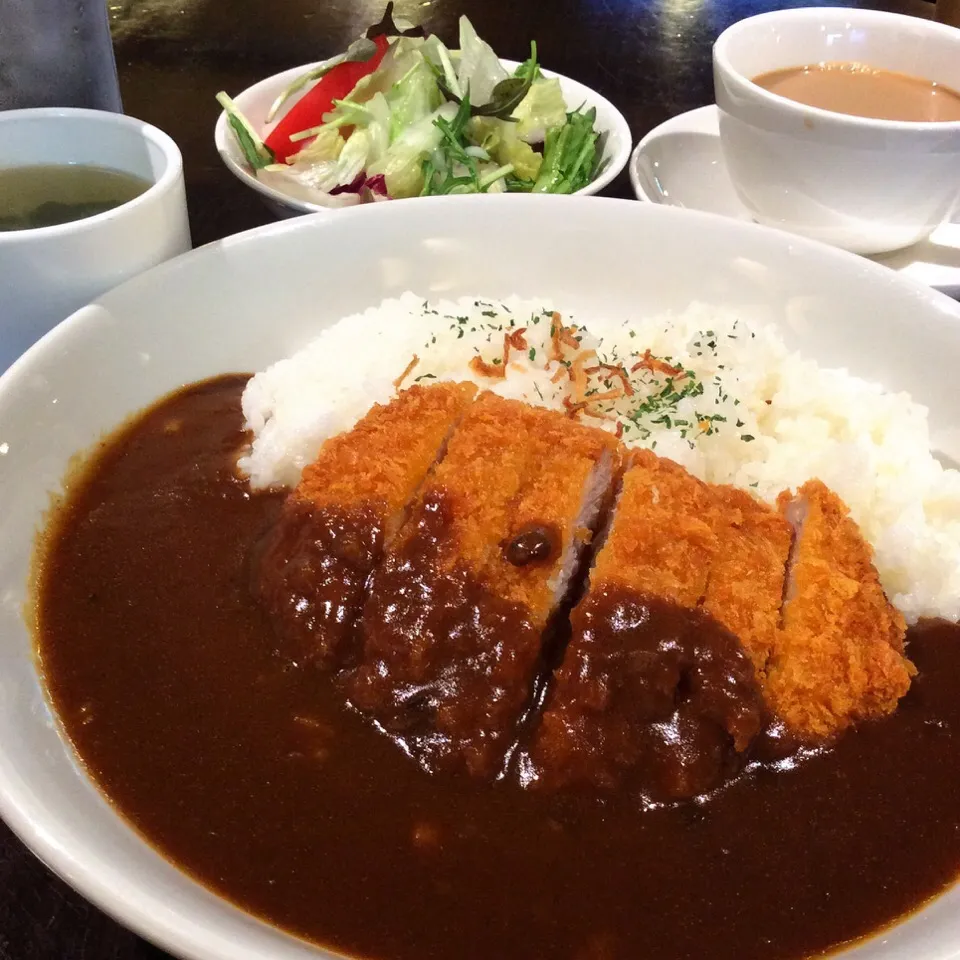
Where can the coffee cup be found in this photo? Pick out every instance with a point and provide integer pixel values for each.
(865, 184)
(48, 272)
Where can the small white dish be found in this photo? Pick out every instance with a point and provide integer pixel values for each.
(255, 103)
(680, 164)
(48, 272)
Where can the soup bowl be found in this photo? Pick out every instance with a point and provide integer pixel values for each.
(48, 272)
(609, 258)
(864, 184)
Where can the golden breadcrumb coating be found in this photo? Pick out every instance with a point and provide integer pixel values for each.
(509, 465)
(487, 459)
(745, 586)
(333, 528)
(564, 456)
(839, 656)
(451, 629)
(385, 457)
(662, 539)
(832, 655)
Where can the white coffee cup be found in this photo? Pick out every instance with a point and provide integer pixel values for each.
(867, 185)
(48, 272)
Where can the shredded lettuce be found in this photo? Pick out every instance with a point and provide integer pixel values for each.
(354, 157)
(370, 136)
(324, 175)
(301, 186)
(414, 97)
(324, 148)
(455, 167)
(540, 110)
(403, 163)
(440, 59)
(403, 54)
(525, 161)
(316, 167)
(500, 138)
(480, 69)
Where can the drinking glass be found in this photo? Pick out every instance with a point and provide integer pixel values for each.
(57, 53)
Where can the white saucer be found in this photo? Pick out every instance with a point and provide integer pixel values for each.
(680, 164)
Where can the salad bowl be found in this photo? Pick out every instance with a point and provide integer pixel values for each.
(254, 106)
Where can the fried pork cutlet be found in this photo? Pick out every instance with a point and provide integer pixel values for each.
(745, 587)
(453, 620)
(428, 548)
(839, 656)
(555, 514)
(348, 506)
(661, 541)
(652, 691)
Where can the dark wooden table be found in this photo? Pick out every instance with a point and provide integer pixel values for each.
(650, 57)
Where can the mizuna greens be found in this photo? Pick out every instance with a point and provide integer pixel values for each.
(398, 115)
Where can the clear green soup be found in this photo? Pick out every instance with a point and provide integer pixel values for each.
(43, 195)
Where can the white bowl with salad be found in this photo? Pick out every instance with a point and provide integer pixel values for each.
(400, 115)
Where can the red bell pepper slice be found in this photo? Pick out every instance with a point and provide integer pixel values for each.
(309, 110)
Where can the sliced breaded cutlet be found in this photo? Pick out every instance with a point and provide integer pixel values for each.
(453, 621)
(555, 514)
(839, 656)
(348, 506)
(651, 690)
(745, 587)
(661, 540)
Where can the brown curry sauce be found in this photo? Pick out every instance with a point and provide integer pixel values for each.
(246, 770)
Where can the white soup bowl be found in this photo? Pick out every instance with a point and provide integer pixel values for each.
(48, 272)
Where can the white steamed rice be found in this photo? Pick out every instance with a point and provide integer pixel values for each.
(780, 419)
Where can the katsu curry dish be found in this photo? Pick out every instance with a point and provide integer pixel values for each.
(435, 576)
(524, 637)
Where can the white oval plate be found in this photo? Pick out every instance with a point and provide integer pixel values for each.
(251, 299)
(680, 164)
(255, 102)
